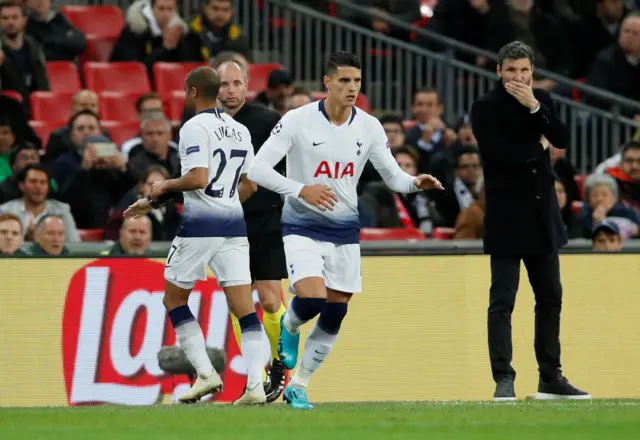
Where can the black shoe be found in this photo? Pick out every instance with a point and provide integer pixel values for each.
(505, 391)
(276, 379)
(560, 389)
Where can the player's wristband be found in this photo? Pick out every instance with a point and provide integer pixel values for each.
(154, 203)
(164, 198)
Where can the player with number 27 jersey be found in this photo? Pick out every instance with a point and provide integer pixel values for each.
(214, 140)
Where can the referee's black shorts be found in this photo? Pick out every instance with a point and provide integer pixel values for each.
(266, 249)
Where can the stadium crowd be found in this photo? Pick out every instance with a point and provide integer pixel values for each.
(62, 180)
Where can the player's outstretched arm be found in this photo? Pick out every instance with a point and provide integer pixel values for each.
(396, 179)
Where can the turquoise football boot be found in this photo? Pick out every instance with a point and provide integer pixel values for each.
(288, 346)
(297, 398)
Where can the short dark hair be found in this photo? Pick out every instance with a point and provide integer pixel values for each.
(5, 121)
(206, 81)
(83, 113)
(22, 175)
(629, 146)
(406, 150)
(155, 169)
(299, 90)
(146, 97)
(390, 118)
(429, 90)
(341, 59)
(12, 4)
(514, 51)
(14, 152)
(465, 149)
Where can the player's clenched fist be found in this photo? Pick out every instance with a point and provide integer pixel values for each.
(427, 181)
(320, 196)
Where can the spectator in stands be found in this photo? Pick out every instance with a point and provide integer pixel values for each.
(464, 132)
(7, 141)
(391, 210)
(404, 10)
(601, 194)
(83, 124)
(565, 172)
(596, 31)
(431, 133)
(59, 38)
(164, 220)
(568, 217)
(299, 97)
(60, 139)
(467, 21)
(153, 148)
(50, 237)
(11, 237)
(443, 164)
(627, 175)
(154, 32)
(22, 62)
(279, 89)
(13, 111)
(470, 221)
(606, 237)
(617, 68)
(145, 104)
(394, 129)
(33, 182)
(20, 157)
(135, 238)
(459, 192)
(214, 32)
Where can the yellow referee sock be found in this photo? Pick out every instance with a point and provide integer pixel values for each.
(237, 332)
(271, 322)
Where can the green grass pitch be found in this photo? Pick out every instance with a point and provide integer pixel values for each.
(599, 419)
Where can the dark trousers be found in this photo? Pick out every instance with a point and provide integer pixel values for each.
(544, 276)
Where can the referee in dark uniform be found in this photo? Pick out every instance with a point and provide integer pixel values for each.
(262, 215)
(514, 125)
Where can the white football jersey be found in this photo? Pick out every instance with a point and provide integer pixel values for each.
(320, 152)
(213, 140)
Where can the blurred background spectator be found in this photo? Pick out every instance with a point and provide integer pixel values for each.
(50, 237)
(135, 238)
(606, 237)
(11, 237)
(279, 89)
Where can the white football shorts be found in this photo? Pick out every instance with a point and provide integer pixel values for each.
(338, 264)
(228, 258)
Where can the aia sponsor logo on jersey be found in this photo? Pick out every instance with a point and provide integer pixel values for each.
(114, 324)
(337, 171)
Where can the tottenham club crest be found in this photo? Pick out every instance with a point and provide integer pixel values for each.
(359, 144)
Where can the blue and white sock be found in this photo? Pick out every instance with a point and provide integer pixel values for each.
(252, 343)
(302, 310)
(320, 342)
(190, 337)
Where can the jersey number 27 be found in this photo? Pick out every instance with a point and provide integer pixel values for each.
(218, 193)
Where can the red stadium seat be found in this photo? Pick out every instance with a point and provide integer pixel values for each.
(91, 234)
(576, 206)
(50, 106)
(168, 77)
(174, 105)
(369, 234)
(44, 128)
(408, 124)
(116, 106)
(101, 21)
(126, 77)
(259, 75)
(363, 103)
(443, 233)
(98, 49)
(580, 182)
(317, 96)
(63, 77)
(121, 130)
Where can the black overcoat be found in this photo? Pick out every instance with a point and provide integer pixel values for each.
(522, 216)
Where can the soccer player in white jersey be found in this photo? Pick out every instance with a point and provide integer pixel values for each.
(327, 145)
(215, 152)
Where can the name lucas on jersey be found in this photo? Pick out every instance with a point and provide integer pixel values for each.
(224, 131)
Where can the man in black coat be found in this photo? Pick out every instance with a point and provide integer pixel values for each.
(514, 125)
